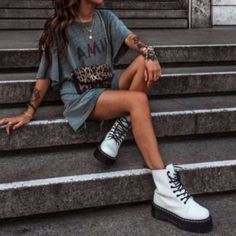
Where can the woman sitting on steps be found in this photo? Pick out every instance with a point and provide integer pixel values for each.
(80, 35)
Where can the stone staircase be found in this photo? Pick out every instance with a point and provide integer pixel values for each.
(46, 168)
(31, 14)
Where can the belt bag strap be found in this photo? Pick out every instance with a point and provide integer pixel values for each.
(106, 37)
(107, 48)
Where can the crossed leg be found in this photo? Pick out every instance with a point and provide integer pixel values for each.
(135, 103)
(132, 77)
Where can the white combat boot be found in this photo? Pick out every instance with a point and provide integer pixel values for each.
(171, 202)
(108, 147)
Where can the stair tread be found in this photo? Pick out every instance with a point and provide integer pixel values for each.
(46, 112)
(73, 160)
(93, 190)
(126, 219)
(26, 76)
(208, 36)
(190, 70)
(198, 69)
(159, 4)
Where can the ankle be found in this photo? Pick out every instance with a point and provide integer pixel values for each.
(128, 118)
(158, 167)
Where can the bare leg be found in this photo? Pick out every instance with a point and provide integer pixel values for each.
(135, 103)
(133, 79)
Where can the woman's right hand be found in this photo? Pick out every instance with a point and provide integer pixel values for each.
(15, 122)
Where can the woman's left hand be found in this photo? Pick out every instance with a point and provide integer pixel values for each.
(152, 72)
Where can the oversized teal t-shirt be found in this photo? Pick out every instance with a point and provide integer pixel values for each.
(82, 51)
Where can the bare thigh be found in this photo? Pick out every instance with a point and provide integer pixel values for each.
(128, 74)
(115, 103)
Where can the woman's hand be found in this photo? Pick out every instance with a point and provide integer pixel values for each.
(152, 72)
(15, 122)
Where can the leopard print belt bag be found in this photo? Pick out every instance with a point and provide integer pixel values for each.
(97, 76)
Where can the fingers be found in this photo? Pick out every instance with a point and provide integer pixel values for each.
(4, 121)
(157, 76)
(9, 127)
(146, 75)
(152, 72)
(150, 75)
(10, 124)
(13, 123)
(18, 125)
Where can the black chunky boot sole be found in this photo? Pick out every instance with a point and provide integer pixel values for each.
(103, 157)
(195, 226)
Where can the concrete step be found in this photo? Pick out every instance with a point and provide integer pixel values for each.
(162, 4)
(93, 190)
(79, 160)
(174, 37)
(200, 115)
(132, 14)
(174, 81)
(124, 13)
(37, 24)
(27, 58)
(187, 46)
(125, 219)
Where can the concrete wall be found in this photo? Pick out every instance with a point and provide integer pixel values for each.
(200, 13)
(224, 12)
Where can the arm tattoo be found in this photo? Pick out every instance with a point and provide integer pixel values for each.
(140, 45)
(35, 95)
(144, 49)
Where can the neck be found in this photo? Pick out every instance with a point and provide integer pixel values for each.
(86, 10)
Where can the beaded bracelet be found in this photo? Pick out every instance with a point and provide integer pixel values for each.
(151, 54)
(29, 104)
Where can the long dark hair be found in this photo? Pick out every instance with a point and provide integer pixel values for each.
(65, 12)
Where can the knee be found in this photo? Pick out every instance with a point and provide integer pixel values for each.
(141, 99)
(140, 60)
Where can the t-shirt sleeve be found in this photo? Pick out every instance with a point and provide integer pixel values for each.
(43, 71)
(49, 72)
(118, 33)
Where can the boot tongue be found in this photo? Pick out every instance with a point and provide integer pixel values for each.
(172, 170)
(170, 167)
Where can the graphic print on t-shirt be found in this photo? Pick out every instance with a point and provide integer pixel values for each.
(91, 50)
